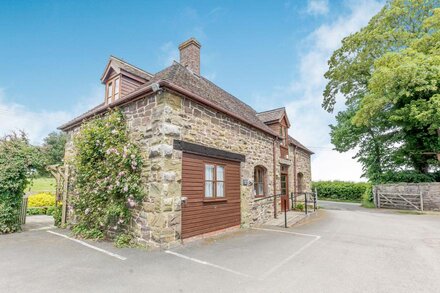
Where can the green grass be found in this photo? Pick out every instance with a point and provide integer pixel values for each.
(42, 184)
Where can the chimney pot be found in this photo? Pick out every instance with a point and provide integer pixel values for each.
(190, 55)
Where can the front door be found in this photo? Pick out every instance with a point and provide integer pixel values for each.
(284, 192)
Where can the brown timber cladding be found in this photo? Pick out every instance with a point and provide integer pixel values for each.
(128, 85)
(200, 215)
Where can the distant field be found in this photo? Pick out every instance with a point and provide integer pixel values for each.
(42, 185)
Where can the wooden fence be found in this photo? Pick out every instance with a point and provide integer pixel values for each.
(23, 209)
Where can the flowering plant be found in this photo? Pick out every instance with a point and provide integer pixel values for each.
(108, 176)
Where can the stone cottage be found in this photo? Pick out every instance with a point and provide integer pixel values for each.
(211, 161)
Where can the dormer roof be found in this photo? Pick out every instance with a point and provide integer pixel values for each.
(274, 116)
(120, 66)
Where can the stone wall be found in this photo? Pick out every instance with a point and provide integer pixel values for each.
(430, 192)
(202, 125)
(154, 123)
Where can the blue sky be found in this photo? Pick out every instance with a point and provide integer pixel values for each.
(267, 53)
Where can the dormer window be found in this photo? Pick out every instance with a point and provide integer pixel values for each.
(113, 90)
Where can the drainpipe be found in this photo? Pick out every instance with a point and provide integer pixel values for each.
(295, 182)
(274, 182)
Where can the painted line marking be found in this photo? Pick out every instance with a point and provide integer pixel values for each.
(287, 232)
(286, 260)
(208, 264)
(89, 245)
(42, 228)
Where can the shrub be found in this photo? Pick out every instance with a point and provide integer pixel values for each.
(299, 207)
(33, 211)
(108, 169)
(340, 190)
(41, 200)
(16, 158)
(57, 213)
(367, 197)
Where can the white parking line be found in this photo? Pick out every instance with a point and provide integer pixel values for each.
(89, 245)
(208, 264)
(42, 228)
(287, 232)
(289, 258)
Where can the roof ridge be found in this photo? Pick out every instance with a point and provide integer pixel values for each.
(129, 64)
(284, 108)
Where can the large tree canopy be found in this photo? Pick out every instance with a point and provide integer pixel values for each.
(389, 74)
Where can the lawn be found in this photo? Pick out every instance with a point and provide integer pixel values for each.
(42, 184)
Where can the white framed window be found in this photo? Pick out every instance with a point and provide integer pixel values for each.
(116, 89)
(113, 88)
(214, 181)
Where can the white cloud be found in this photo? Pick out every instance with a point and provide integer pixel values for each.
(37, 124)
(169, 52)
(317, 7)
(309, 121)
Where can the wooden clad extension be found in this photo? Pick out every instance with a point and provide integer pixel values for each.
(199, 214)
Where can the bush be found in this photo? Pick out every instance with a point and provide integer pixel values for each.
(340, 190)
(57, 213)
(367, 198)
(299, 207)
(41, 200)
(16, 158)
(36, 211)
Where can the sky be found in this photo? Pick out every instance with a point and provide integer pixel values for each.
(269, 54)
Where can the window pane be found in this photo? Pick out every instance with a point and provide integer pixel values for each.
(110, 90)
(209, 189)
(116, 86)
(209, 172)
(116, 96)
(260, 189)
(220, 173)
(220, 189)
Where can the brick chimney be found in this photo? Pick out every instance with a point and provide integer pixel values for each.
(190, 55)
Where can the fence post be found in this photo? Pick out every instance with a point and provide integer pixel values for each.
(285, 213)
(421, 201)
(305, 202)
(291, 201)
(378, 199)
(315, 200)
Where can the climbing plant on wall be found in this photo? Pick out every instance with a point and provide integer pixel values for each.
(107, 177)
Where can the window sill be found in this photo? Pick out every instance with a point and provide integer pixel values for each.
(208, 200)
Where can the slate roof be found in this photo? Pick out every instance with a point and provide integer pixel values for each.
(298, 144)
(274, 115)
(124, 65)
(179, 75)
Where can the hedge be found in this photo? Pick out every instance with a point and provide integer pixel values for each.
(341, 190)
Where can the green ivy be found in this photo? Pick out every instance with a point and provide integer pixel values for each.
(107, 177)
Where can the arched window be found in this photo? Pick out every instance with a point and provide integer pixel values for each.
(260, 181)
(300, 184)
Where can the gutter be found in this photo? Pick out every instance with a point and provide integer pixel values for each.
(152, 88)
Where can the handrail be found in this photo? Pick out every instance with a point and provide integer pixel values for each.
(266, 197)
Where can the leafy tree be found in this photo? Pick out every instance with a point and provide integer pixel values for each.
(387, 73)
(53, 148)
(16, 161)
